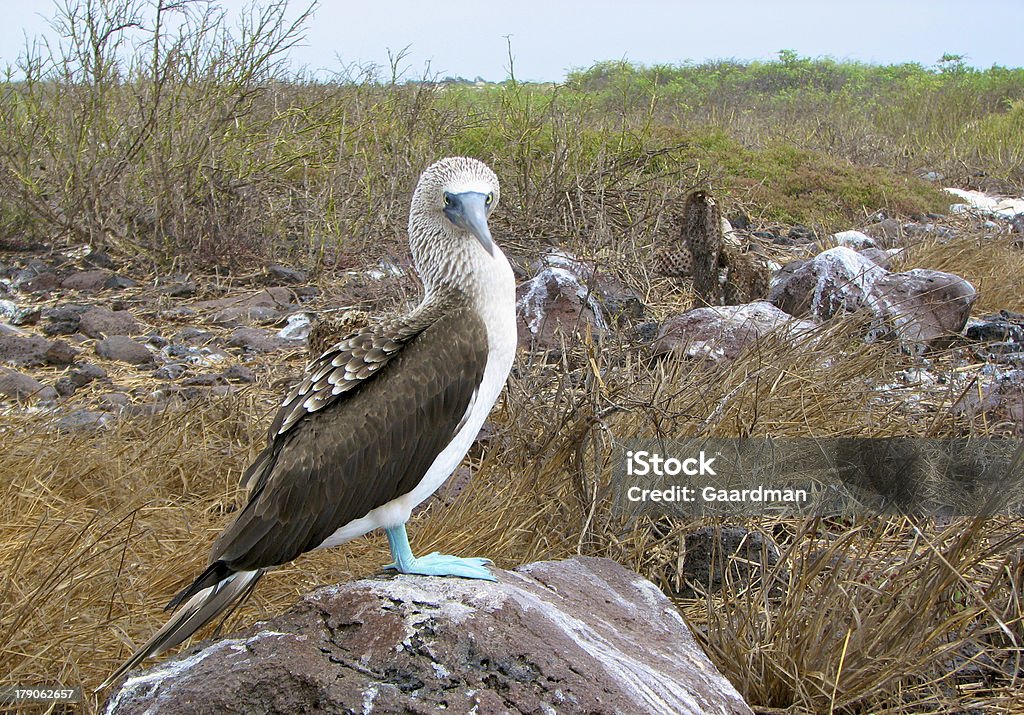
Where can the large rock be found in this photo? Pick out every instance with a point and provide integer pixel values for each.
(926, 308)
(124, 349)
(578, 636)
(23, 388)
(922, 308)
(722, 332)
(99, 322)
(33, 351)
(86, 281)
(559, 302)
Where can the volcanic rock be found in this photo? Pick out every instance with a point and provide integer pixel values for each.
(100, 322)
(577, 636)
(722, 332)
(921, 308)
(558, 303)
(124, 349)
(23, 388)
(87, 281)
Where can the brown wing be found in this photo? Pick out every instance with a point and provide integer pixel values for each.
(332, 377)
(333, 461)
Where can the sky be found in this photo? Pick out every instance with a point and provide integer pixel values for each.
(551, 37)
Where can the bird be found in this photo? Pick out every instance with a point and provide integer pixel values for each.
(381, 419)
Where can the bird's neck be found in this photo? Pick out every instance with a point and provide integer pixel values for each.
(467, 272)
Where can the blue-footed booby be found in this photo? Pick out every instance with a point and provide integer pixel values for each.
(382, 418)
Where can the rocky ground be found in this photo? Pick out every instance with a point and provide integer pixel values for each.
(84, 340)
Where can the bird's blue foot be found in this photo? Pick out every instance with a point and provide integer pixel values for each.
(435, 564)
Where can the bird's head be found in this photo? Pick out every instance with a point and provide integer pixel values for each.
(450, 208)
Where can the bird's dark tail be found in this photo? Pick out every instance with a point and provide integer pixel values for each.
(202, 606)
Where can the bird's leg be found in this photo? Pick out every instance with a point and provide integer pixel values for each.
(434, 564)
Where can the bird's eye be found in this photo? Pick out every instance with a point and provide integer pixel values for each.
(447, 200)
(489, 199)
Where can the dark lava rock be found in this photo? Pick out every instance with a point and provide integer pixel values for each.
(570, 637)
(63, 320)
(116, 282)
(87, 281)
(283, 275)
(23, 351)
(713, 552)
(39, 283)
(1001, 327)
(722, 332)
(257, 340)
(23, 388)
(239, 373)
(100, 322)
(86, 374)
(801, 234)
(65, 386)
(124, 349)
(60, 353)
(646, 332)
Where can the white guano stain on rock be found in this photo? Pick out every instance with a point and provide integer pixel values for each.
(842, 266)
(150, 681)
(538, 295)
(984, 204)
(649, 684)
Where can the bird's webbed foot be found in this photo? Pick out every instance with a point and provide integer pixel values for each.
(435, 564)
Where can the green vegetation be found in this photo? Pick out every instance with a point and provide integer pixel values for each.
(198, 142)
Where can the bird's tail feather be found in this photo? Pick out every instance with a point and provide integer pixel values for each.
(199, 610)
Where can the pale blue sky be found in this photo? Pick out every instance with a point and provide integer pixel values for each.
(549, 37)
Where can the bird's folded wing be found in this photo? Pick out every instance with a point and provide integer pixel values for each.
(359, 447)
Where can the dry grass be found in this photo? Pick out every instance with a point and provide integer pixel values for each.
(98, 531)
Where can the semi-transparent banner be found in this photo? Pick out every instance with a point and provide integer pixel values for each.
(795, 477)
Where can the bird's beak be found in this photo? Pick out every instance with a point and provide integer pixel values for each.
(468, 211)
